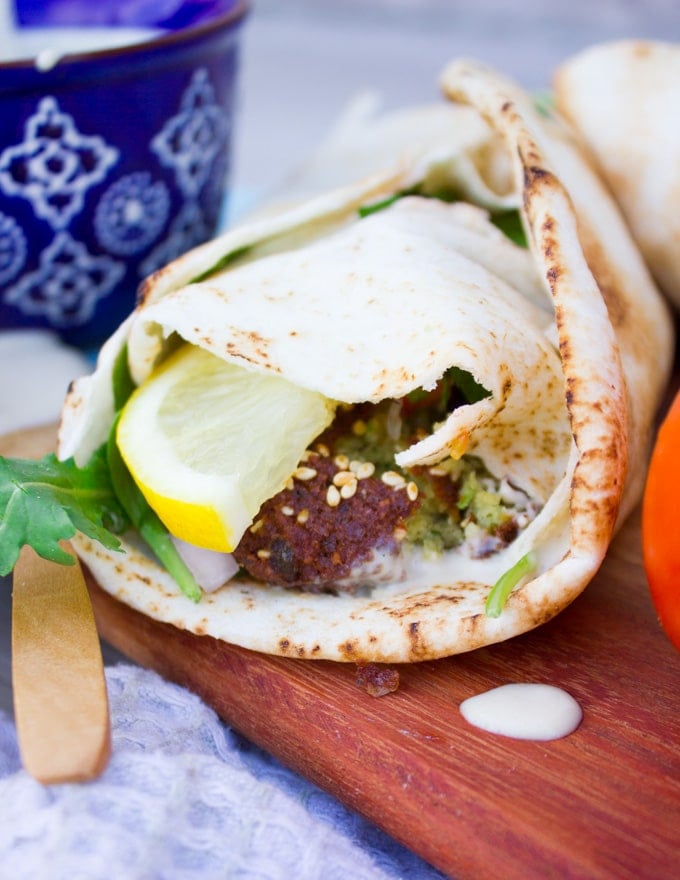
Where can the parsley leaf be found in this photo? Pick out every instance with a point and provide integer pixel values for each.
(146, 521)
(135, 505)
(45, 501)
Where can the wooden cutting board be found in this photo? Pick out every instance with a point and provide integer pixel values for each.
(602, 803)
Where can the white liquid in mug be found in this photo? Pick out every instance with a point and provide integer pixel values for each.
(524, 711)
(46, 46)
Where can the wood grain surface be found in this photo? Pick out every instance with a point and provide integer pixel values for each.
(602, 803)
(60, 701)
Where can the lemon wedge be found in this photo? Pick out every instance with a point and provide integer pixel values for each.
(208, 442)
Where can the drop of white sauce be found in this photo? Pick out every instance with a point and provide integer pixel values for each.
(524, 711)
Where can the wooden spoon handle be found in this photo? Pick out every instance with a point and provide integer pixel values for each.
(60, 700)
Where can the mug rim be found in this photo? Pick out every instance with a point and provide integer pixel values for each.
(168, 39)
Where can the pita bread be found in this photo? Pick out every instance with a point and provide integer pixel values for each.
(623, 99)
(454, 141)
(363, 309)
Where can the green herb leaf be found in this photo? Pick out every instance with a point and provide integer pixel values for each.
(374, 207)
(455, 387)
(467, 491)
(45, 501)
(146, 521)
(367, 210)
(123, 384)
(506, 584)
(222, 263)
(510, 223)
(465, 382)
(544, 102)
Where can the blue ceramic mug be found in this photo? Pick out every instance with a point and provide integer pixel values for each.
(112, 162)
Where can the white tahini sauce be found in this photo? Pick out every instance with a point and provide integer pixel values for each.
(524, 711)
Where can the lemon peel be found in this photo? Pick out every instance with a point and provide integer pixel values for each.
(208, 441)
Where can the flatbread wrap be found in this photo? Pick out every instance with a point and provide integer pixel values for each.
(622, 98)
(518, 383)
